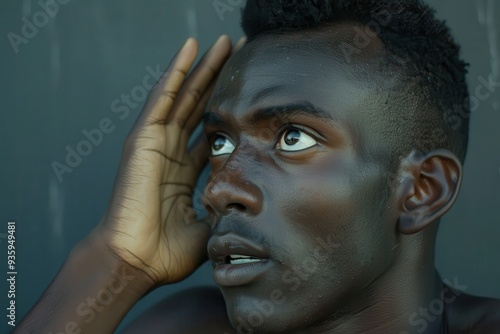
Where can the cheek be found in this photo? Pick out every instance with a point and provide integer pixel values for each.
(321, 210)
(320, 200)
(339, 205)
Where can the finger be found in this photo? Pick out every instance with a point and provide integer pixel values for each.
(163, 96)
(200, 152)
(241, 42)
(193, 89)
(195, 116)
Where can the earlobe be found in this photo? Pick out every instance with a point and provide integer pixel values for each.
(430, 187)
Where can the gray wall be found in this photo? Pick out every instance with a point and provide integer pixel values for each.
(65, 78)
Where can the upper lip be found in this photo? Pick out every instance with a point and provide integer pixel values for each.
(220, 247)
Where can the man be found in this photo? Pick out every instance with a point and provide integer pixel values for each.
(333, 159)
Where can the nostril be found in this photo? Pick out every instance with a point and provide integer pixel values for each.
(224, 197)
(237, 206)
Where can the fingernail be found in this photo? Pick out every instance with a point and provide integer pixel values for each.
(188, 41)
(242, 41)
(217, 44)
(220, 39)
(181, 50)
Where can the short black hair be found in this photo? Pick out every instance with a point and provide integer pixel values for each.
(431, 59)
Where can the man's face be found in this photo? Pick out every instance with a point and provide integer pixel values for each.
(290, 126)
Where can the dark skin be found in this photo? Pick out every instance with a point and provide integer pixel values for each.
(381, 276)
(335, 190)
(299, 184)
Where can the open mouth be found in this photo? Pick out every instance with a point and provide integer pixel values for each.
(236, 259)
(231, 249)
(240, 270)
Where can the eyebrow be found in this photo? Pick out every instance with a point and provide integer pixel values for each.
(301, 108)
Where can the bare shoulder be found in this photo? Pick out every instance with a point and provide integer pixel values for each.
(474, 314)
(196, 310)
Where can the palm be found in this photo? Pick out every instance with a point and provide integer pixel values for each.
(150, 222)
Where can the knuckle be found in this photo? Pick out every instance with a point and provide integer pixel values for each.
(195, 93)
(169, 94)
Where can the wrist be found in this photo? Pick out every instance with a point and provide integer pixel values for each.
(92, 293)
(93, 255)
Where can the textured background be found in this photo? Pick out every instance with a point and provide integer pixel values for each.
(65, 79)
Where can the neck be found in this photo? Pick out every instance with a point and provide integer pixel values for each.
(407, 298)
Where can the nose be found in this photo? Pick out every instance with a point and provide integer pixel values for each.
(231, 189)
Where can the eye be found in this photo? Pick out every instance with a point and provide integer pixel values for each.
(221, 145)
(295, 140)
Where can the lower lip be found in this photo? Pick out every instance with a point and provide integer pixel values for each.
(239, 274)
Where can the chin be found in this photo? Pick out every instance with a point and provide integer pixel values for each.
(266, 311)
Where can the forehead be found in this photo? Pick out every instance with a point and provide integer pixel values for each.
(324, 66)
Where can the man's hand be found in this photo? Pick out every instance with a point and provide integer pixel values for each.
(149, 234)
(150, 222)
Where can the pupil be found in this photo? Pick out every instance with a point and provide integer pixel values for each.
(219, 143)
(292, 137)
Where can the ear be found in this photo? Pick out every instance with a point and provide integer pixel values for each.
(428, 189)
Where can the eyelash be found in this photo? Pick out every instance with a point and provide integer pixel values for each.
(289, 126)
(279, 133)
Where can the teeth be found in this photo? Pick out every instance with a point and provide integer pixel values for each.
(241, 259)
(237, 256)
